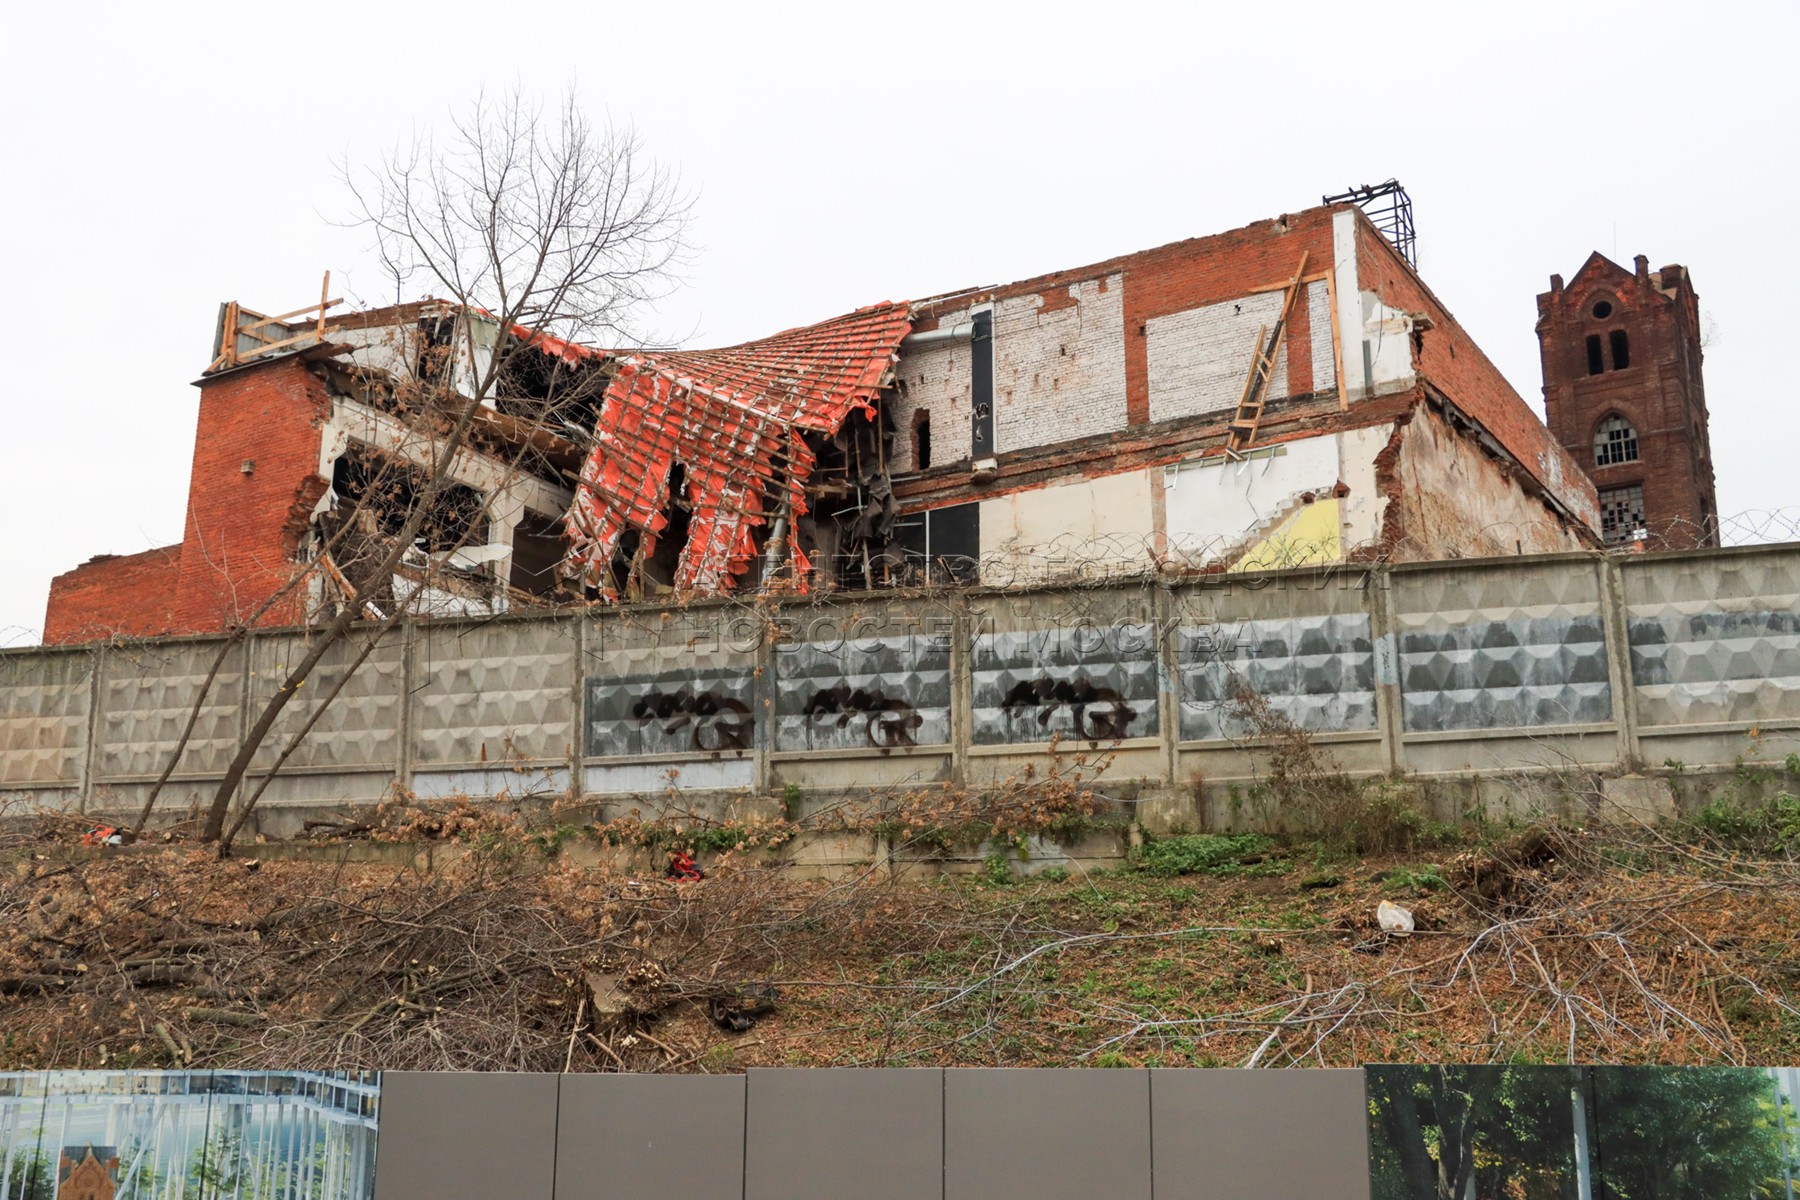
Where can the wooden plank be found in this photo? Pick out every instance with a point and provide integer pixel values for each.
(298, 312)
(259, 351)
(1262, 336)
(228, 346)
(1281, 285)
(1262, 369)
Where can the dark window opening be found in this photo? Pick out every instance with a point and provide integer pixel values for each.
(1621, 513)
(922, 439)
(1596, 364)
(981, 386)
(537, 549)
(1603, 309)
(659, 566)
(1615, 442)
(942, 545)
(382, 492)
(563, 397)
(1621, 350)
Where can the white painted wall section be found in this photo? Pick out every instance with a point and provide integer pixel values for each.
(1059, 373)
(1318, 315)
(1199, 359)
(1093, 526)
(934, 379)
(1214, 506)
(1378, 355)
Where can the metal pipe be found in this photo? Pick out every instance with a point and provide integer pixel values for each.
(931, 337)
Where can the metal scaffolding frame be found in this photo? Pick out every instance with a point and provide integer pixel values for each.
(1390, 209)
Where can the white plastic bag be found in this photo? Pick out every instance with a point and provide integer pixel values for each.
(1393, 918)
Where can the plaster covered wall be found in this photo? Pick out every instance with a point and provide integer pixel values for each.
(1090, 526)
(1447, 498)
(1215, 508)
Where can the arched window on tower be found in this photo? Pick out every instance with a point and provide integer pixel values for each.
(1615, 442)
(1621, 350)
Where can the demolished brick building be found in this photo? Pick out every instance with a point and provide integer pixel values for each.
(1282, 394)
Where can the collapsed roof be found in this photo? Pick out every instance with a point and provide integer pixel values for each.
(736, 420)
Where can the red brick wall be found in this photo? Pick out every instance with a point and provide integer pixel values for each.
(114, 596)
(242, 528)
(1660, 392)
(1209, 270)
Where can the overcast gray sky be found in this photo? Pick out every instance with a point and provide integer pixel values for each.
(162, 158)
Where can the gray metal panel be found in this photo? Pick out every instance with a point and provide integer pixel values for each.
(623, 1137)
(1318, 671)
(494, 692)
(1213, 1130)
(43, 716)
(861, 693)
(360, 726)
(449, 1133)
(1034, 684)
(1049, 1134)
(145, 697)
(836, 1132)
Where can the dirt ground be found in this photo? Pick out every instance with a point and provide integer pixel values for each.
(1536, 945)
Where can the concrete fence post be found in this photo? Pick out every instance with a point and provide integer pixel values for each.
(1390, 700)
(407, 752)
(1168, 679)
(579, 726)
(962, 690)
(84, 782)
(1617, 631)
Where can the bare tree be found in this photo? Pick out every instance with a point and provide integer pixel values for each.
(532, 223)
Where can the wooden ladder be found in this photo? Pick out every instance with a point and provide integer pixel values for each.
(1262, 366)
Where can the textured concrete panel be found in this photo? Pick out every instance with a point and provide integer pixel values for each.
(862, 693)
(624, 1137)
(1485, 646)
(494, 691)
(1048, 1134)
(43, 716)
(1080, 681)
(146, 695)
(613, 779)
(703, 712)
(1715, 637)
(1523, 671)
(1319, 672)
(826, 1134)
(462, 1134)
(361, 726)
(1212, 1132)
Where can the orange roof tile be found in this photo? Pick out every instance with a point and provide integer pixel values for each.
(734, 418)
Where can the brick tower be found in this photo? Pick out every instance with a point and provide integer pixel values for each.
(1622, 393)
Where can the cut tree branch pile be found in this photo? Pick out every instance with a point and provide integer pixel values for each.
(1547, 943)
